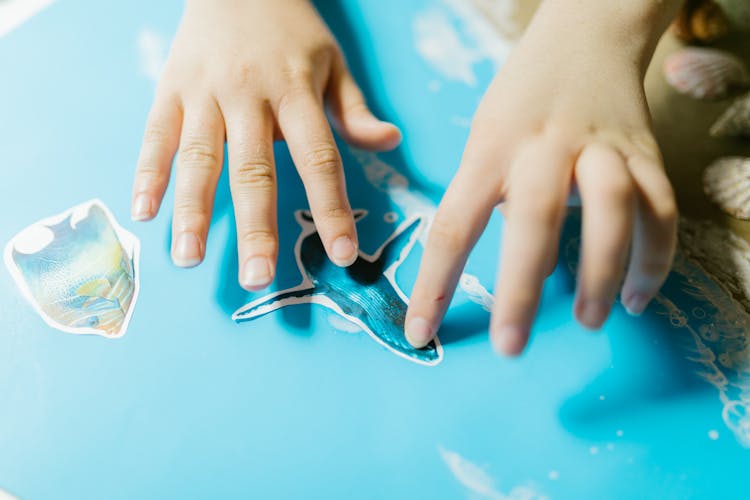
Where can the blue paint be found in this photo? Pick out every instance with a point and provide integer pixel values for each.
(362, 293)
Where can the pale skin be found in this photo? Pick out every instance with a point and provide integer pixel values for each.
(566, 111)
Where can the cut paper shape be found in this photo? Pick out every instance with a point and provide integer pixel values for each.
(365, 293)
(152, 53)
(14, 13)
(78, 269)
(479, 483)
(457, 36)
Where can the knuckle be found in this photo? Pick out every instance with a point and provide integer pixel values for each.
(150, 175)
(255, 173)
(322, 160)
(187, 208)
(155, 135)
(297, 73)
(259, 237)
(198, 154)
(444, 235)
(337, 213)
(545, 211)
(664, 208)
(655, 266)
(619, 188)
(243, 74)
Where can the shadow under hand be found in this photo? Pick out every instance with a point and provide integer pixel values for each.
(464, 322)
(650, 363)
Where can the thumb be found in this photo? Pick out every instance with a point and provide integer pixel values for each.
(351, 117)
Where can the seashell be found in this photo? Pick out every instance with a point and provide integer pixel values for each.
(701, 21)
(705, 73)
(735, 121)
(727, 183)
(738, 13)
(78, 269)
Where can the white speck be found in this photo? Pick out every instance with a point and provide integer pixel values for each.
(434, 85)
(553, 475)
(461, 121)
(594, 450)
(619, 433)
(602, 397)
(152, 50)
(713, 434)
(610, 447)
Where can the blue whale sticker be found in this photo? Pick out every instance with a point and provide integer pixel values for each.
(365, 293)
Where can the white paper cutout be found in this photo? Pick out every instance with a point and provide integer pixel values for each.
(78, 269)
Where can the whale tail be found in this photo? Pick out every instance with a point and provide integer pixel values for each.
(270, 303)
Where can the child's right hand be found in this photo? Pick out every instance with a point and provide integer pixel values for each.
(250, 72)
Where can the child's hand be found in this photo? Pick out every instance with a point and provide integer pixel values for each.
(251, 72)
(568, 110)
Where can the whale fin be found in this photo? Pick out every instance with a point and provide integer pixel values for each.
(393, 249)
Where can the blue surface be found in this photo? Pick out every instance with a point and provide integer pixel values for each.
(190, 404)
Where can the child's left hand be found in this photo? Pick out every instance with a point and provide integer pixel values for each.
(567, 109)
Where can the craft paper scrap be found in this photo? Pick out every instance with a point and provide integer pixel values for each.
(78, 269)
(13, 13)
(365, 293)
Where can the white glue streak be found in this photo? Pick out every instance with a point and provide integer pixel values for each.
(478, 482)
(460, 34)
(388, 180)
(720, 345)
(14, 13)
(342, 325)
(152, 53)
(4, 495)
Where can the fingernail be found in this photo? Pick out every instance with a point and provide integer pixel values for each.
(141, 209)
(344, 252)
(256, 274)
(592, 313)
(418, 332)
(636, 304)
(508, 340)
(187, 250)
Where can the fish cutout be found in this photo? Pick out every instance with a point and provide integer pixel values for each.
(78, 269)
(365, 293)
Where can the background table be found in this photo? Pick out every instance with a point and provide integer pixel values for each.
(190, 404)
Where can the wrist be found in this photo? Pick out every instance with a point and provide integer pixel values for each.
(630, 29)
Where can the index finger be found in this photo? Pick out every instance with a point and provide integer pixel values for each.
(461, 217)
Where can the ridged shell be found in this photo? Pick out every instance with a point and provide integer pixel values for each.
(727, 183)
(705, 73)
(701, 21)
(735, 121)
